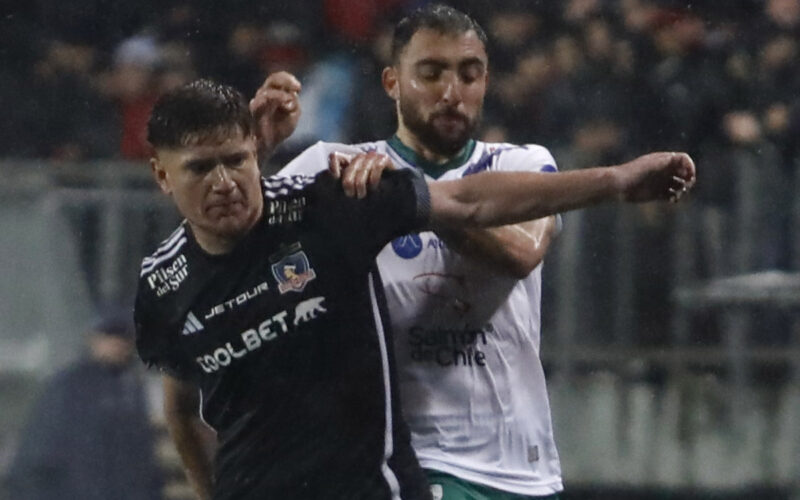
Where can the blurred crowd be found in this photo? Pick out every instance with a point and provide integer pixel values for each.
(94, 429)
(596, 81)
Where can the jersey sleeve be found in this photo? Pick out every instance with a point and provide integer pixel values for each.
(400, 205)
(153, 340)
(527, 158)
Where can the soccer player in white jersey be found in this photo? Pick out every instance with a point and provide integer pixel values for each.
(464, 304)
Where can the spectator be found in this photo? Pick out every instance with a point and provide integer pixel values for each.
(143, 70)
(64, 79)
(133, 84)
(86, 417)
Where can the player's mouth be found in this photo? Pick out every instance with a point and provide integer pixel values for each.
(225, 208)
(450, 120)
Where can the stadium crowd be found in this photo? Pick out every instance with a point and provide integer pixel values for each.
(596, 81)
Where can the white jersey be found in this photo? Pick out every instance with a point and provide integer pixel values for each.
(466, 341)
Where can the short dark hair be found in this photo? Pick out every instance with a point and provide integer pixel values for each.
(437, 17)
(197, 110)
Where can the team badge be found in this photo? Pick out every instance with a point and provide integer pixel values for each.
(293, 271)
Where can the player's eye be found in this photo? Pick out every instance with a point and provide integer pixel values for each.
(471, 72)
(234, 160)
(429, 72)
(200, 166)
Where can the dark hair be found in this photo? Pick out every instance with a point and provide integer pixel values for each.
(437, 17)
(196, 110)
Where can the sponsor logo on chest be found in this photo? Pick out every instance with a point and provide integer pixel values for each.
(237, 301)
(164, 280)
(268, 330)
(411, 245)
(449, 347)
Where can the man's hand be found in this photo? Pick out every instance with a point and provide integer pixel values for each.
(276, 108)
(656, 176)
(497, 198)
(359, 172)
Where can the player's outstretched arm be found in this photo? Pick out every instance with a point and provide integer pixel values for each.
(513, 250)
(500, 198)
(497, 198)
(276, 108)
(190, 434)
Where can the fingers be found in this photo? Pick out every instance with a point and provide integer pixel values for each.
(359, 173)
(283, 80)
(376, 173)
(337, 162)
(269, 100)
(679, 187)
(684, 164)
(361, 178)
(691, 170)
(684, 178)
(279, 91)
(355, 176)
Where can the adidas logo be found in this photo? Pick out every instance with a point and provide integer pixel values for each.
(192, 324)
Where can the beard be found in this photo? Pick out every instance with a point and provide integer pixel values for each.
(443, 139)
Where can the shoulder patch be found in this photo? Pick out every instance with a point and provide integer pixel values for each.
(168, 267)
(168, 249)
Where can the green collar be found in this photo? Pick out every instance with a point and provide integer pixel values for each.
(434, 170)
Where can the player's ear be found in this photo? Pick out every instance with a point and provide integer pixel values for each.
(390, 82)
(160, 175)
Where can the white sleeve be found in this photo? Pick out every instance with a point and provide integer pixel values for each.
(527, 158)
(315, 158)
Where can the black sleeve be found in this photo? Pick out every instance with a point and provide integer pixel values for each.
(153, 341)
(399, 206)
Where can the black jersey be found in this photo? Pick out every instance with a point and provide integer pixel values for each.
(286, 338)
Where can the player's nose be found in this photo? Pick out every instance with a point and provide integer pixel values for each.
(221, 179)
(451, 93)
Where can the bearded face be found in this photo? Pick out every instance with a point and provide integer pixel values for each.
(444, 131)
(439, 83)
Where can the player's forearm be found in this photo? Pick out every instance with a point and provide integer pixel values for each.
(189, 433)
(190, 443)
(500, 198)
(513, 250)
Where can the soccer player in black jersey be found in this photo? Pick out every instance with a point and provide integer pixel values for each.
(264, 312)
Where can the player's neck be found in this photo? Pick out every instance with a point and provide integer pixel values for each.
(433, 168)
(214, 244)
